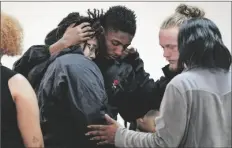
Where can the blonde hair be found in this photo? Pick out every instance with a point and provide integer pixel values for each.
(11, 36)
(183, 12)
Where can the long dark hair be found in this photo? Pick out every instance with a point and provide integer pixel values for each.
(200, 45)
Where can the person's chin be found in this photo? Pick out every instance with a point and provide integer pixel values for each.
(172, 67)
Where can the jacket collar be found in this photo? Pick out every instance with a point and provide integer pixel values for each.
(73, 49)
(170, 74)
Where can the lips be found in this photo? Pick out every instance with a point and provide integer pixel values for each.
(171, 61)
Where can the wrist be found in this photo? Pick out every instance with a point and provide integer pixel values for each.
(58, 46)
(63, 43)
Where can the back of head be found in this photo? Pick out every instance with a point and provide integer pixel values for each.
(152, 113)
(200, 45)
(120, 18)
(93, 18)
(11, 36)
(183, 12)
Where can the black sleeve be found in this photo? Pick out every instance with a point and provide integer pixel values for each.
(145, 95)
(33, 56)
(52, 89)
(87, 99)
(60, 84)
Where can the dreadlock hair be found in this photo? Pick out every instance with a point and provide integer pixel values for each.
(120, 18)
(74, 17)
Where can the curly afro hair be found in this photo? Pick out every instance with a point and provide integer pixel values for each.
(11, 36)
(120, 18)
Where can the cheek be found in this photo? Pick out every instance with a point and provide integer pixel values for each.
(110, 47)
(86, 52)
(175, 54)
(151, 123)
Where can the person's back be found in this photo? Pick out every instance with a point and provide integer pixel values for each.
(20, 126)
(71, 96)
(208, 96)
(10, 134)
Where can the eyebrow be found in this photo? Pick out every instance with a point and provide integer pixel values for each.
(116, 40)
(120, 42)
(95, 45)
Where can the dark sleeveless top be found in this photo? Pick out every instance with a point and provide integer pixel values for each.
(10, 134)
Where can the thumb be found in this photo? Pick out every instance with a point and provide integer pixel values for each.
(110, 120)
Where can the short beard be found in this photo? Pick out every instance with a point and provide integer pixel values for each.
(171, 68)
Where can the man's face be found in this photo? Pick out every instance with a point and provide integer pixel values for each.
(168, 41)
(117, 42)
(90, 48)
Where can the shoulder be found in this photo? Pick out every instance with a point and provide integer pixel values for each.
(65, 60)
(19, 85)
(7, 71)
(180, 79)
(74, 63)
(186, 80)
(72, 59)
(18, 79)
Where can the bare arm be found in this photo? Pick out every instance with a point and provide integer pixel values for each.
(27, 111)
(72, 36)
(58, 46)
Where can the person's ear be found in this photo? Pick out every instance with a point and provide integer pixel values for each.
(141, 120)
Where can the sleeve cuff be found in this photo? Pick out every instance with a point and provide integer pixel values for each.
(119, 137)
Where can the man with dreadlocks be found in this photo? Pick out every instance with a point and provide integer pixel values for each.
(71, 91)
(130, 90)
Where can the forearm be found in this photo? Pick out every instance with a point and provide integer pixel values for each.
(32, 138)
(29, 124)
(58, 46)
(128, 138)
(170, 124)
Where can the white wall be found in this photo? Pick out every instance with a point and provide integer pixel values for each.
(38, 18)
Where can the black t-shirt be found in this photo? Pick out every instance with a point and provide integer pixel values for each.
(10, 134)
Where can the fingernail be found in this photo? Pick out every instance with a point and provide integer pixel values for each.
(87, 134)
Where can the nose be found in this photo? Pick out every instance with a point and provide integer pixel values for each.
(118, 51)
(92, 56)
(166, 53)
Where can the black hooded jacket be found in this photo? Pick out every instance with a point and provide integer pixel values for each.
(130, 91)
(71, 95)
